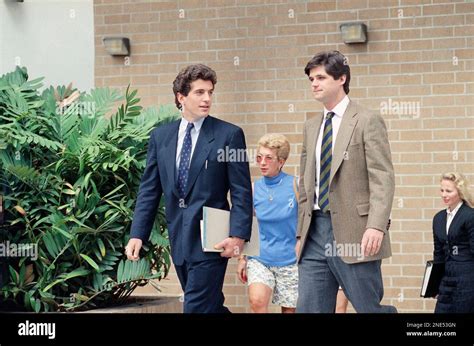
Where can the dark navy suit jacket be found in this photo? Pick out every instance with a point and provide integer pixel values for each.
(458, 244)
(209, 181)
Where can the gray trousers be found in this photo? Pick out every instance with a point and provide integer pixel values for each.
(321, 275)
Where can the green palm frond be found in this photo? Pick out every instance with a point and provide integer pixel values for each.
(15, 78)
(102, 100)
(126, 112)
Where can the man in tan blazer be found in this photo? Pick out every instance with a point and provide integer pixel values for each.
(346, 192)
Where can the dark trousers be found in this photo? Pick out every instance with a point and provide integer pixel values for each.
(320, 275)
(202, 285)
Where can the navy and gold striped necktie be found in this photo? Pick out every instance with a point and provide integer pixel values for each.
(325, 163)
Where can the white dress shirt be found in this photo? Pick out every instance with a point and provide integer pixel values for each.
(451, 215)
(339, 111)
(194, 137)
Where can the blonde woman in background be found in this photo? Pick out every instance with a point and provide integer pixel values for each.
(273, 274)
(453, 233)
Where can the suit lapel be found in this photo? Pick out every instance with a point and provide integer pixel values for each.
(201, 151)
(170, 149)
(312, 134)
(349, 120)
(442, 227)
(455, 224)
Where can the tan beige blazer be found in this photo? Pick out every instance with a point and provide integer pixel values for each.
(361, 185)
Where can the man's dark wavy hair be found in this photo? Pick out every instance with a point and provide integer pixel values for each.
(335, 64)
(182, 82)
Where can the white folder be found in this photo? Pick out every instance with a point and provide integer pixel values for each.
(215, 227)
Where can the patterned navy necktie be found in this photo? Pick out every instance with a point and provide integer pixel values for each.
(185, 158)
(325, 164)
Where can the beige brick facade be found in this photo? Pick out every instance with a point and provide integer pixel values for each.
(417, 69)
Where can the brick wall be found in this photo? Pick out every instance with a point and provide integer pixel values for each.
(417, 69)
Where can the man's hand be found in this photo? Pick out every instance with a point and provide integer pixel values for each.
(297, 247)
(242, 270)
(132, 249)
(232, 247)
(371, 241)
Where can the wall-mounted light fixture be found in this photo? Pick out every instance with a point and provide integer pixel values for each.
(117, 46)
(354, 32)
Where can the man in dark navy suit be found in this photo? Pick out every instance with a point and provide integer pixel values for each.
(184, 163)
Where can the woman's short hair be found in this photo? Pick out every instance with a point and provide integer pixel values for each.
(462, 185)
(278, 142)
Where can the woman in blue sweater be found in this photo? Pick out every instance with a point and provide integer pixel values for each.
(274, 273)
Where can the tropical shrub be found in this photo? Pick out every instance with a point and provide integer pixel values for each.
(69, 176)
